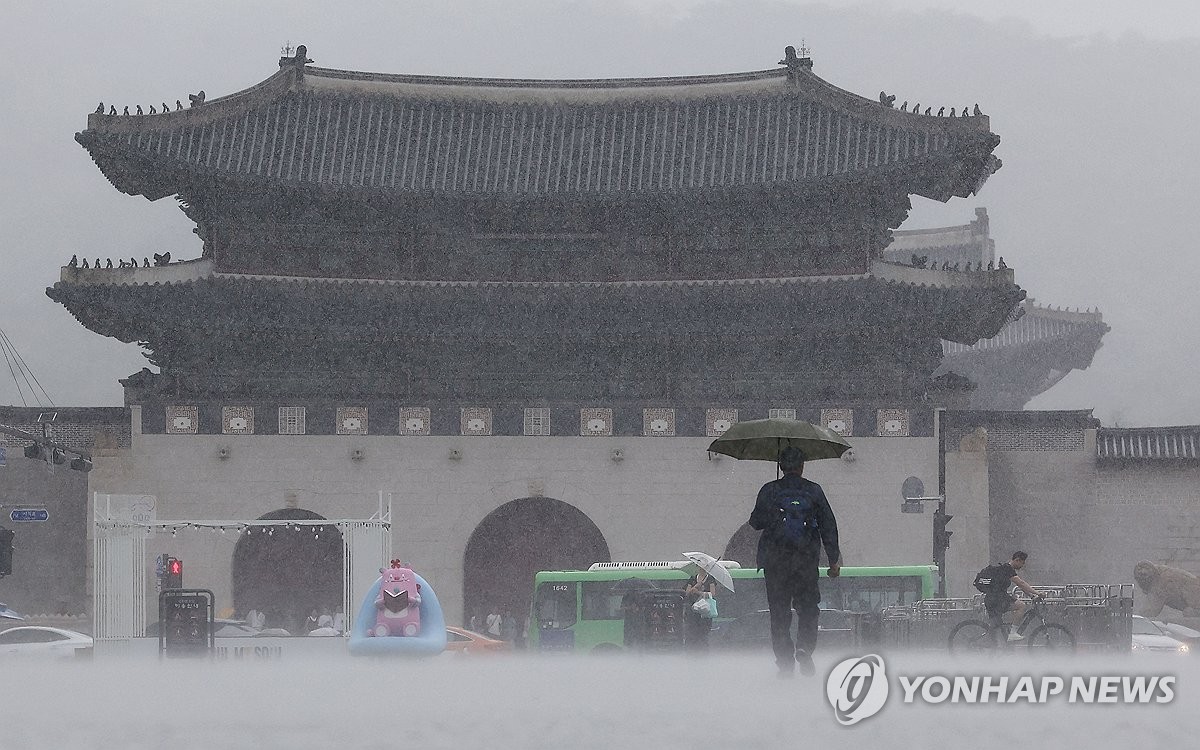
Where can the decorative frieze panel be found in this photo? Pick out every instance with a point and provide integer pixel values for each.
(717, 421)
(237, 420)
(414, 420)
(893, 423)
(537, 421)
(291, 420)
(476, 420)
(596, 422)
(658, 422)
(840, 421)
(352, 420)
(781, 414)
(183, 420)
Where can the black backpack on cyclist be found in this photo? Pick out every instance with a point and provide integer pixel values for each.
(991, 580)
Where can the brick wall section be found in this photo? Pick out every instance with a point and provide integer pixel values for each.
(75, 427)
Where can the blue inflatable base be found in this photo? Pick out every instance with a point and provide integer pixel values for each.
(429, 642)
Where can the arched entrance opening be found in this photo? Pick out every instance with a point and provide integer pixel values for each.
(288, 571)
(514, 542)
(743, 546)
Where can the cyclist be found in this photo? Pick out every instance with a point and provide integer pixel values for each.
(998, 601)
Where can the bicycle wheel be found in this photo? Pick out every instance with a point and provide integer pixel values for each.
(1052, 638)
(972, 636)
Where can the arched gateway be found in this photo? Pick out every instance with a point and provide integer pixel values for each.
(287, 571)
(517, 540)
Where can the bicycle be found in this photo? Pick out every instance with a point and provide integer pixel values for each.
(978, 636)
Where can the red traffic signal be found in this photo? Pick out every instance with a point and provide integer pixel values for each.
(173, 575)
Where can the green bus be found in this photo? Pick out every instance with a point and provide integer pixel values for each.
(582, 610)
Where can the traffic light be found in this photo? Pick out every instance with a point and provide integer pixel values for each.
(173, 575)
(941, 537)
(6, 551)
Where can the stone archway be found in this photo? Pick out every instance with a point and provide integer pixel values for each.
(743, 546)
(286, 573)
(518, 539)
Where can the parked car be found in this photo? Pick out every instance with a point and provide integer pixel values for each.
(1150, 638)
(463, 641)
(1189, 636)
(753, 630)
(41, 641)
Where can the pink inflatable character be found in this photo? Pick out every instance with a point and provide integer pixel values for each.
(398, 606)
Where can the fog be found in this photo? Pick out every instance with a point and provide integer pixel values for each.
(559, 702)
(1094, 104)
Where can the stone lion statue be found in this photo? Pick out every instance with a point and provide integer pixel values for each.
(1167, 587)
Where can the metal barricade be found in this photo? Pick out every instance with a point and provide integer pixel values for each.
(1099, 615)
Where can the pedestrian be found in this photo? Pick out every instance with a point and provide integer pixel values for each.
(256, 619)
(326, 618)
(339, 620)
(494, 621)
(311, 623)
(696, 626)
(795, 519)
(508, 626)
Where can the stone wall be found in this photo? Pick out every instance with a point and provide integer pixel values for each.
(663, 496)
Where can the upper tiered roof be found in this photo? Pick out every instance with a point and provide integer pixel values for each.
(429, 135)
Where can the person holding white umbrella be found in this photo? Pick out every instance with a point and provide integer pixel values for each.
(702, 587)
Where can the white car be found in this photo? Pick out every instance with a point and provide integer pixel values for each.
(36, 640)
(1149, 638)
(1183, 633)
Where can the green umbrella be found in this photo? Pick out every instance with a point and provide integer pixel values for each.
(762, 439)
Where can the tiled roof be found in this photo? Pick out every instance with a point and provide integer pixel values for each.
(1148, 443)
(1035, 324)
(111, 301)
(493, 137)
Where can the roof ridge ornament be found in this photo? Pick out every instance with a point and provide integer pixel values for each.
(796, 63)
(298, 60)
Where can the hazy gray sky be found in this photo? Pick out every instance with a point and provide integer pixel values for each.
(1094, 101)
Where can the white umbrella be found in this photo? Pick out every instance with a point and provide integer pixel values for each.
(712, 566)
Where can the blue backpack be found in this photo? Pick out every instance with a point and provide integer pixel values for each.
(799, 516)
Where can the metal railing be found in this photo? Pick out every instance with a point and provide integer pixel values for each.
(1099, 615)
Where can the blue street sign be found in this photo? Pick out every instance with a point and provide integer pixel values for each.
(29, 514)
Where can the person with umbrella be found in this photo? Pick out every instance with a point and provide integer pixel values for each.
(697, 626)
(796, 520)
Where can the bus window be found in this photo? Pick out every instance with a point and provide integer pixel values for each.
(600, 602)
(748, 595)
(555, 605)
(869, 593)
